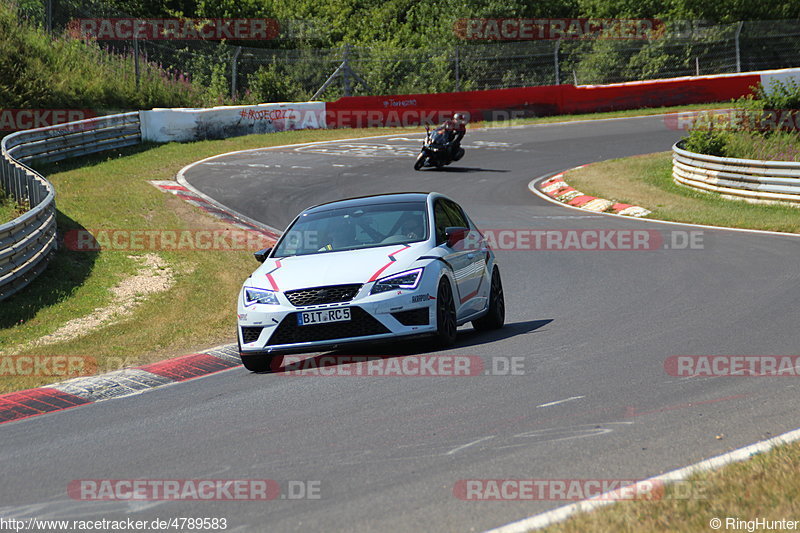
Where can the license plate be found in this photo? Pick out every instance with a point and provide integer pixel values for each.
(323, 316)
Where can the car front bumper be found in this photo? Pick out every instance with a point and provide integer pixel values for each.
(270, 329)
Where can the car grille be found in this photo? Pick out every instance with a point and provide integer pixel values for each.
(251, 333)
(413, 317)
(360, 324)
(322, 295)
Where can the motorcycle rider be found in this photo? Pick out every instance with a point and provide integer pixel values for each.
(456, 126)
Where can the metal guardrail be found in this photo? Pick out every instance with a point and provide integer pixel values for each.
(27, 243)
(748, 179)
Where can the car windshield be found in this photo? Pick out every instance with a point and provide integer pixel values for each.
(352, 228)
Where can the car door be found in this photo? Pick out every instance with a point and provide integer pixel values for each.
(474, 274)
(461, 256)
(456, 256)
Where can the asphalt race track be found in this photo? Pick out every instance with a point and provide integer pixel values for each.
(592, 327)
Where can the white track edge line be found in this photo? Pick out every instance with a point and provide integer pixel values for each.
(561, 513)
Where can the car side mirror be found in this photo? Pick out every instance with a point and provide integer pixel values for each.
(261, 255)
(454, 235)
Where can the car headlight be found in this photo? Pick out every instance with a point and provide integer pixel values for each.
(404, 280)
(260, 296)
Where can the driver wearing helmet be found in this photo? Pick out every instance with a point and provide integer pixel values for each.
(456, 126)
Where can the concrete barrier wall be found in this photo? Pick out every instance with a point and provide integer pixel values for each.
(501, 104)
(182, 125)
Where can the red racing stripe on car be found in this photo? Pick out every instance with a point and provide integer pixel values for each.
(468, 296)
(270, 278)
(387, 265)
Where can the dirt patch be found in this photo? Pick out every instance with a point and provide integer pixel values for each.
(154, 276)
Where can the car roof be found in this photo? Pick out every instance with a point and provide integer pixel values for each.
(390, 198)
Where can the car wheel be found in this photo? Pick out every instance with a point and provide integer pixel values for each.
(445, 315)
(495, 317)
(418, 164)
(261, 363)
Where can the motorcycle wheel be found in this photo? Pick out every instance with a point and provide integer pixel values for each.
(418, 164)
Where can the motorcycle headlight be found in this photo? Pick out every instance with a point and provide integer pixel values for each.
(404, 280)
(259, 296)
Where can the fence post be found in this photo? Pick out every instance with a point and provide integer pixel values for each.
(457, 73)
(49, 16)
(235, 70)
(738, 55)
(346, 70)
(136, 60)
(555, 58)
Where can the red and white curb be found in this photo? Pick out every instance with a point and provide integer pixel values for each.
(212, 208)
(117, 384)
(558, 189)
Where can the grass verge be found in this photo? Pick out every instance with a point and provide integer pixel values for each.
(767, 487)
(111, 191)
(647, 181)
(9, 208)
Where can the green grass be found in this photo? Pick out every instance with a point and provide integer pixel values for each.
(647, 181)
(766, 486)
(9, 209)
(40, 71)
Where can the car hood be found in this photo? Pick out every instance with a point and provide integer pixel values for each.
(335, 268)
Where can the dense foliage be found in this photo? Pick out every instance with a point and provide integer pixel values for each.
(397, 46)
(763, 126)
(39, 71)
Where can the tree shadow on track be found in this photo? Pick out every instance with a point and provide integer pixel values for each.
(359, 353)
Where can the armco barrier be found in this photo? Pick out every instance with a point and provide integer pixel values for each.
(740, 178)
(27, 242)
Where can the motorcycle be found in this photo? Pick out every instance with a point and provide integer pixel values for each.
(436, 150)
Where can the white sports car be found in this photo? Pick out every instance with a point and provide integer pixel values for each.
(365, 270)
